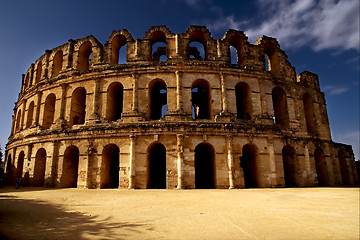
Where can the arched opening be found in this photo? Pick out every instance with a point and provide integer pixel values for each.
(49, 111)
(38, 72)
(236, 50)
(85, 51)
(249, 165)
(200, 97)
(290, 166)
(110, 166)
(114, 101)
(57, 63)
(26, 83)
(243, 101)
(344, 168)
(70, 167)
(20, 164)
(39, 168)
(280, 107)
(30, 114)
(78, 101)
(158, 46)
(321, 167)
(118, 44)
(197, 46)
(156, 166)
(233, 55)
(157, 99)
(271, 61)
(18, 121)
(205, 173)
(309, 113)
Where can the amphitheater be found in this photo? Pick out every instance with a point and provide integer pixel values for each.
(173, 111)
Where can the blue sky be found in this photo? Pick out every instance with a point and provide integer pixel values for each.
(318, 36)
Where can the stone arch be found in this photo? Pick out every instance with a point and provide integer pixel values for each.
(57, 63)
(309, 113)
(280, 106)
(117, 43)
(30, 114)
(78, 105)
(110, 166)
(85, 51)
(8, 169)
(201, 99)
(157, 41)
(38, 72)
(20, 164)
(49, 111)
(156, 166)
(196, 50)
(290, 166)
(18, 121)
(70, 167)
(249, 162)
(345, 177)
(157, 99)
(237, 42)
(270, 50)
(39, 168)
(26, 83)
(321, 169)
(114, 107)
(243, 101)
(205, 167)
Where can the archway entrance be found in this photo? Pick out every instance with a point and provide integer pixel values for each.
(344, 168)
(321, 167)
(20, 164)
(109, 177)
(290, 168)
(248, 162)
(204, 166)
(156, 166)
(70, 167)
(39, 169)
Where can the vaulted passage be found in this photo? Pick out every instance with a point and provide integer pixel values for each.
(18, 121)
(49, 111)
(109, 177)
(70, 167)
(85, 51)
(243, 101)
(57, 64)
(20, 164)
(197, 46)
(38, 72)
(309, 113)
(249, 165)
(280, 107)
(343, 168)
(204, 166)
(290, 166)
(39, 169)
(271, 58)
(200, 97)
(321, 167)
(30, 114)
(156, 166)
(78, 100)
(117, 45)
(114, 105)
(158, 46)
(158, 99)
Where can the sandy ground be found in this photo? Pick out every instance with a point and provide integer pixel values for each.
(303, 213)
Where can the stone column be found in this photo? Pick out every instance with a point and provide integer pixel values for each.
(180, 160)
(135, 92)
(177, 44)
(178, 91)
(132, 162)
(23, 115)
(38, 105)
(308, 164)
(95, 115)
(272, 163)
(230, 161)
(54, 164)
(223, 93)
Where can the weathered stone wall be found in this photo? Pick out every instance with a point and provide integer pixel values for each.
(84, 120)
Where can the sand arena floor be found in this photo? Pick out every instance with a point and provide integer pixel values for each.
(303, 213)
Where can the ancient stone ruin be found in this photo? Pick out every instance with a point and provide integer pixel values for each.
(173, 111)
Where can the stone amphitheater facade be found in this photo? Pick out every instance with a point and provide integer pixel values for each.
(182, 111)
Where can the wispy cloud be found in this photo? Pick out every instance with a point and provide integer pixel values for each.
(335, 90)
(321, 24)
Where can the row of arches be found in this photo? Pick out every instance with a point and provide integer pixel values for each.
(204, 164)
(157, 92)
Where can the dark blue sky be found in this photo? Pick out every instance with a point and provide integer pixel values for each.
(318, 36)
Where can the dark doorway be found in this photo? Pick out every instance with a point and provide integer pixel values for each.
(243, 101)
(248, 163)
(110, 167)
(157, 166)
(39, 169)
(290, 168)
(200, 97)
(280, 107)
(204, 166)
(70, 167)
(158, 99)
(114, 106)
(20, 164)
(321, 167)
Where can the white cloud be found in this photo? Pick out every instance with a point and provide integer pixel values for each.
(321, 24)
(335, 90)
(351, 138)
